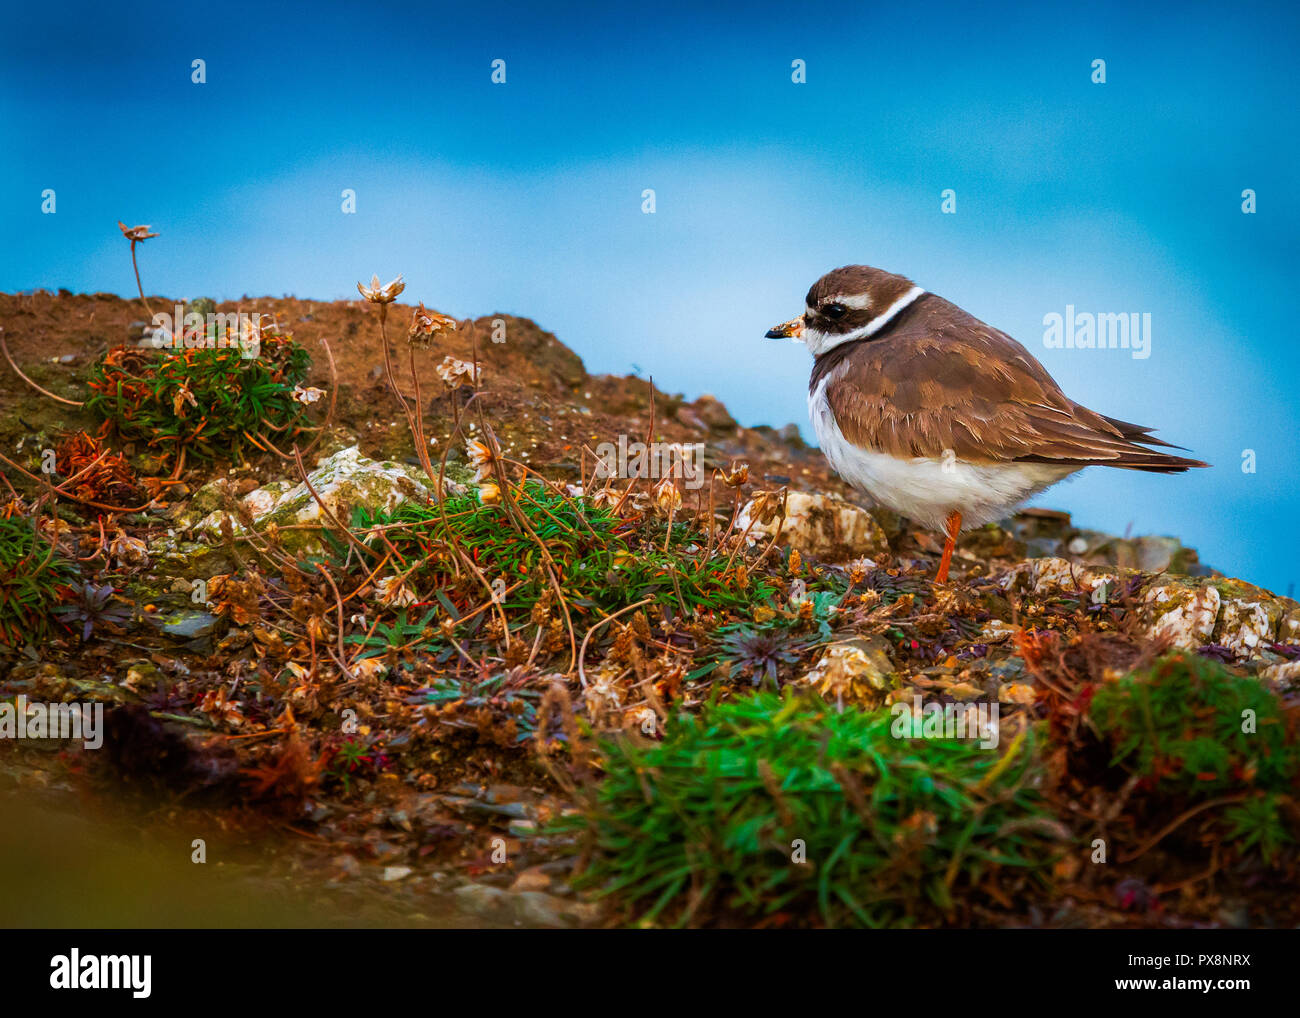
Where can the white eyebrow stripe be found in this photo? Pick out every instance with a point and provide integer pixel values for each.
(857, 301)
(819, 343)
(888, 315)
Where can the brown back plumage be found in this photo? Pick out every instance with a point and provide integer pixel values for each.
(938, 378)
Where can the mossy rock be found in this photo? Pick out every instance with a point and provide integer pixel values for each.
(173, 558)
(344, 481)
(1183, 610)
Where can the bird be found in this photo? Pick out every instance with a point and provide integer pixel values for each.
(940, 417)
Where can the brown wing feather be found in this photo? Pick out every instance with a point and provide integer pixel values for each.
(944, 380)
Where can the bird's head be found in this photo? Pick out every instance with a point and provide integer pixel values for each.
(848, 304)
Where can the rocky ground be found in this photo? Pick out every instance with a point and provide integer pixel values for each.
(350, 729)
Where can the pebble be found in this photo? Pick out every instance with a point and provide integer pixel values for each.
(1016, 692)
(190, 625)
(532, 879)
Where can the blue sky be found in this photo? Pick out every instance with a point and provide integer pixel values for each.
(526, 197)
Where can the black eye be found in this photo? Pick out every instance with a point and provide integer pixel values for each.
(834, 311)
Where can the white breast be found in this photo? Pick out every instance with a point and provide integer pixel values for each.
(926, 490)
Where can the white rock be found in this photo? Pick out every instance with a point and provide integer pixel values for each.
(1286, 674)
(855, 668)
(1049, 575)
(1186, 616)
(823, 526)
(1245, 624)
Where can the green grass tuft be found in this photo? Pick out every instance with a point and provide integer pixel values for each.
(603, 561)
(892, 830)
(32, 578)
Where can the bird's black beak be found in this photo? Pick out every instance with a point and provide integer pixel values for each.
(793, 329)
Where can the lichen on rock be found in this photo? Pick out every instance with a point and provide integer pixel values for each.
(1245, 624)
(1286, 674)
(1056, 575)
(1182, 610)
(341, 483)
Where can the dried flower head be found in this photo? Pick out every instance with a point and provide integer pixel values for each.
(604, 695)
(392, 590)
(667, 498)
(737, 475)
(181, 397)
(368, 668)
(307, 396)
(218, 706)
(859, 568)
(128, 551)
(455, 373)
(134, 234)
(385, 294)
(425, 324)
(489, 493)
(604, 497)
(870, 598)
(480, 458)
(767, 505)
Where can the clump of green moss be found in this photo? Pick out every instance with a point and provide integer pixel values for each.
(1189, 725)
(769, 805)
(1191, 729)
(32, 578)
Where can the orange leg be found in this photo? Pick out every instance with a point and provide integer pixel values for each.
(952, 527)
